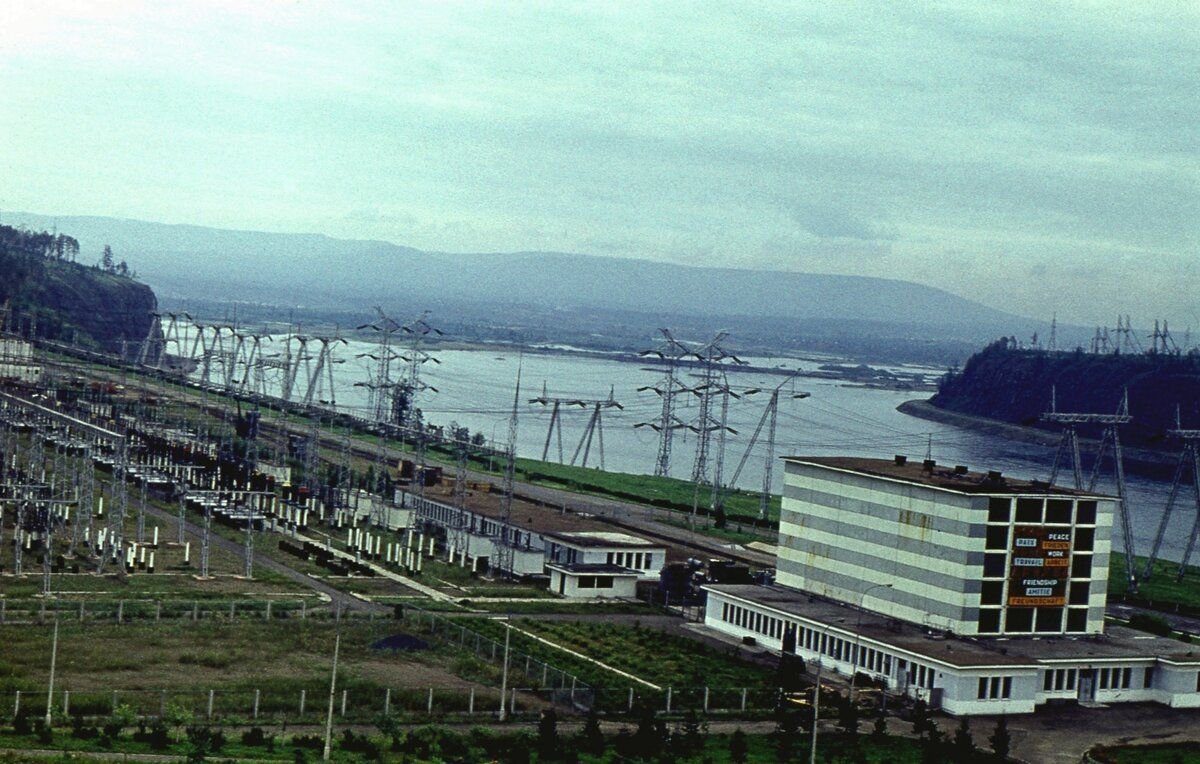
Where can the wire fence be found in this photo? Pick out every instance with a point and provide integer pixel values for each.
(309, 704)
(44, 610)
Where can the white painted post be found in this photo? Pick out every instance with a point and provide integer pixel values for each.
(211, 693)
(387, 701)
(668, 700)
(256, 696)
(344, 702)
(429, 704)
(187, 553)
(743, 698)
(706, 700)
(303, 693)
(471, 703)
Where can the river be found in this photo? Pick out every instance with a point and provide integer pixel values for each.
(475, 389)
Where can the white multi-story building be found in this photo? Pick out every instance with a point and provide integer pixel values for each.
(979, 593)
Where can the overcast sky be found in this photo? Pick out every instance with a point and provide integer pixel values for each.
(1035, 157)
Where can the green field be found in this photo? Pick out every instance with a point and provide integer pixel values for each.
(1160, 753)
(1161, 590)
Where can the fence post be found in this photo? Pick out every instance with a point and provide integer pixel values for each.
(162, 703)
(81, 603)
(157, 611)
(302, 694)
(66, 702)
(630, 698)
(120, 610)
(114, 703)
(232, 610)
(471, 703)
(195, 611)
(303, 609)
(2, 611)
(16, 700)
(512, 706)
(572, 689)
(268, 610)
(668, 700)
(706, 700)
(743, 698)
(429, 703)
(210, 702)
(545, 674)
(344, 702)
(387, 701)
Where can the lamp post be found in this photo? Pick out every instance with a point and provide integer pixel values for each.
(858, 633)
(812, 757)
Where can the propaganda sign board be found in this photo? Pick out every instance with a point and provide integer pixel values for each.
(1040, 566)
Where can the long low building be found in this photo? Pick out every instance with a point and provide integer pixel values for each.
(978, 593)
(961, 675)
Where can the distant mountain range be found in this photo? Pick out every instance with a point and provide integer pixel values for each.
(184, 262)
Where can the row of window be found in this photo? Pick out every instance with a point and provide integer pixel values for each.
(995, 688)
(635, 560)
(816, 641)
(1021, 620)
(1058, 680)
(595, 582)
(752, 621)
(1049, 511)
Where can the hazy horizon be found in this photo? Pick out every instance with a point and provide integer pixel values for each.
(1036, 159)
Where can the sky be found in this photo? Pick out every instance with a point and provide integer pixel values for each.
(1042, 158)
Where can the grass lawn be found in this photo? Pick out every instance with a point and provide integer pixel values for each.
(1161, 588)
(1159, 753)
(278, 658)
(650, 654)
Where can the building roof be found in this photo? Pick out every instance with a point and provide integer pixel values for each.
(1118, 644)
(592, 569)
(602, 539)
(947, 477)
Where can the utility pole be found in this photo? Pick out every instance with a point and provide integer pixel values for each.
(1111, 436)
(670, 352)
(337, 643)
(505, 553)
(1189, 458)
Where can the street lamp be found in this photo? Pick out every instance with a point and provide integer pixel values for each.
(858, 633)
(812, 758)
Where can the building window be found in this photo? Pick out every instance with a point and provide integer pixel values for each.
(998, 510)
(1077, 619)
(1058, 512)
(1085, 539)
(587, 582)
(1049, 620)
(997, 537)
(991, 593)
(1148, 677)
(1029, 510)
(1085, 513)
(1126, 678)
(1048, 680)
(1081, 566)
(1070, 679)
(1102, 682)
(1019, 619)
(993, 565)
(1079, 592)
(983, 688)
(989, 621)
(1006, 688)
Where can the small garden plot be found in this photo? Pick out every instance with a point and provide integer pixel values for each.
(649, 654)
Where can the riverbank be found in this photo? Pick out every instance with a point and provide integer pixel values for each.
(1155, 464)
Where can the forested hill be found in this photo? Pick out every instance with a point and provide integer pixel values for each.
(1014, 385)
(51, 296)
